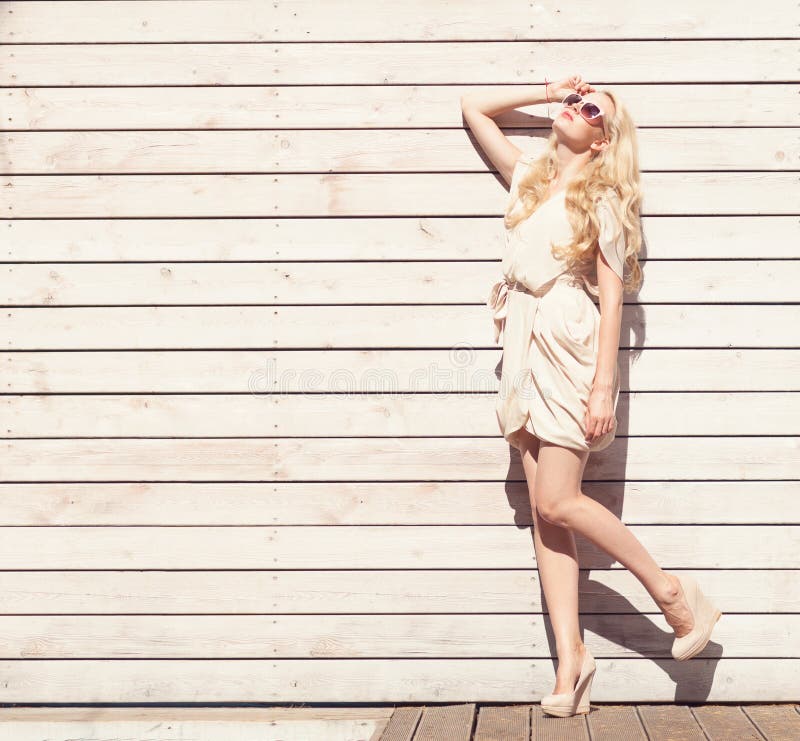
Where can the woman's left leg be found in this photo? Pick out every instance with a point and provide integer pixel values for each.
(560, 501)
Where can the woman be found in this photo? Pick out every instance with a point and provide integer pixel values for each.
(572, 227)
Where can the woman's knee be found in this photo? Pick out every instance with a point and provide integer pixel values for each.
(558, 482)
(556, 507)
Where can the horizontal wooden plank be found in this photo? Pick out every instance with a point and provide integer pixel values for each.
(199, 724)
(389, 414)
(358, 503)
(397, 63)
(186, 714)
(752, 546)
(388, 680)
(371, 371)
(372, 636)
(379, 106)
(288, 283)
(367, 591)
(460, 328)
(374, 239)
(380, 459)
(362, 194)
(400, 150)
(250, 20)
(366, 636)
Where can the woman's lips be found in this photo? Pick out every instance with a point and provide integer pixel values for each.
(568, 115)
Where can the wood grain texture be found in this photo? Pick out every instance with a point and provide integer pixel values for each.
(248, 451)
(251, 20)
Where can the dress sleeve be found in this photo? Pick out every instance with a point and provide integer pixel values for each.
(612, 237)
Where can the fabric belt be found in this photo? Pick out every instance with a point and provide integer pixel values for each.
(498, 298)
(498, 302)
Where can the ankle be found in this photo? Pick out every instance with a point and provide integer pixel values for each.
(670, 589)
(572, 650)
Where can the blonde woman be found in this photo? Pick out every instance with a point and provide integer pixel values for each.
(572, 233)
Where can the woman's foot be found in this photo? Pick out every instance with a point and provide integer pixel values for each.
(675, 607)
(569, 669)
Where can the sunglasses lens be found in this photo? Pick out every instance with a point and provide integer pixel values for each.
(572, 98)
(591, 110)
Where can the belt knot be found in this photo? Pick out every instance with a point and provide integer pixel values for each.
(498, 302)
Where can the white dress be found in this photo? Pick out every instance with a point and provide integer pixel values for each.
(549, 326)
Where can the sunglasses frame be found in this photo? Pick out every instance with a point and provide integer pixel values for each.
(584, 103)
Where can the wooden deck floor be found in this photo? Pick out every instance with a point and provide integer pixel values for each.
(464, 722)
(604, 723)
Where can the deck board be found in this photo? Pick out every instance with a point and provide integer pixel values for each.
(446, 722)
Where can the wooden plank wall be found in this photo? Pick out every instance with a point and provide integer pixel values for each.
(248, 373)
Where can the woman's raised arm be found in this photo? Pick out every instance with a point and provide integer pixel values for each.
(480, 106)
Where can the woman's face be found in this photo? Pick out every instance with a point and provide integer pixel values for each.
(575, 130)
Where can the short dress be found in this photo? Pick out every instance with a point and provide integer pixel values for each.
(549, 326)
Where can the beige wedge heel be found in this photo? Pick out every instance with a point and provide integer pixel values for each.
(565, 704)
(705, 615)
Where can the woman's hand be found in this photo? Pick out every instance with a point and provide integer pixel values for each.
(560, 89)
(599, 417)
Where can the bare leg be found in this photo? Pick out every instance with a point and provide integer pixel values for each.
(561, 502)
(557, 562)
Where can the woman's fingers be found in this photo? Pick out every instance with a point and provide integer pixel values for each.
(576, 83)
(597, 426)
(591, 428)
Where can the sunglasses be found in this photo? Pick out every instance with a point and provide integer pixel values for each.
(590, 111)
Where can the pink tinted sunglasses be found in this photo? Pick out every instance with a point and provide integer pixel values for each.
(590, 111)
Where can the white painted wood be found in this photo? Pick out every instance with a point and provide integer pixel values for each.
(419, 370)
(196, 723)
(164, 284)
(361, 194)
(252, 20)
(376, 546)
(380, 239)
(267, 714)
(383, 503)
(368, 636)
(731, 457)
(460, 328)
(387, 680)
(366, 107)
(354, 591)
(382, 414)
(399, 63)
(359, 151)
(203, 202)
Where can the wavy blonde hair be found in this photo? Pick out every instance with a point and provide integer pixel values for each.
(612, 172)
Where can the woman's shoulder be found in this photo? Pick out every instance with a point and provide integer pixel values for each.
(524, 161)
(521, 166)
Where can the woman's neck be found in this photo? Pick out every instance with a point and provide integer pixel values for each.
(570, 163)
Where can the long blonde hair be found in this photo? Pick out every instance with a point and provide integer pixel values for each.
(611, 175)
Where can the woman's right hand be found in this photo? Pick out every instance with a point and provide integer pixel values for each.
(559, 89)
